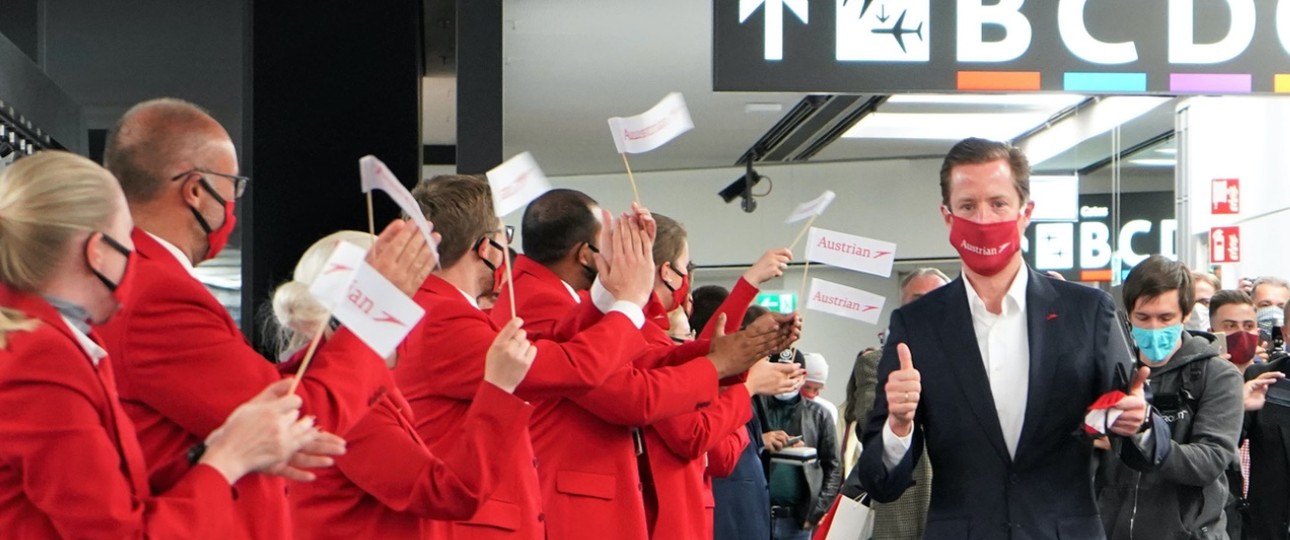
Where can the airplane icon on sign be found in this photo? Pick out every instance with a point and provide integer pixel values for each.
(898, 31)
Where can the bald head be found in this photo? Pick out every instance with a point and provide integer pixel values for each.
(160, 138)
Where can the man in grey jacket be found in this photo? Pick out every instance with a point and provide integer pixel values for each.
(1198, 394)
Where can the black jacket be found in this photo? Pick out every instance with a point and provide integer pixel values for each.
(1269, 480)
(1200, 396)
(979, 490)
(824, 475)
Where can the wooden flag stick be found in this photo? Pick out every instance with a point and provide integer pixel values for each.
(631, 179)
(803, 232)
(510, 280)
(805, 268)
(371, 219)
(309, 354)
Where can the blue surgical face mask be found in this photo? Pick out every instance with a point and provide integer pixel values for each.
(1157, 343)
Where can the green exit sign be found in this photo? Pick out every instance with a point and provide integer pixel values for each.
(777, 301)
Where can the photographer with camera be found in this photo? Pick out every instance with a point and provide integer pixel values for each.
(1267, 426)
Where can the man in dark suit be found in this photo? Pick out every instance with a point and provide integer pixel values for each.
(1269, 436)
(1008, 362)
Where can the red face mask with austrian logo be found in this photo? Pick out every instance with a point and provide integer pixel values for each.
(986, 248)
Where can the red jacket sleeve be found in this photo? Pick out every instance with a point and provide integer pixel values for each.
(723, 459)
(734, 307)
(692, 435)
(187, 361)
(638, 397)
(71, 470)
(388, 461)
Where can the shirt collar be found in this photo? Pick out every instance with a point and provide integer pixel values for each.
(179, 255)
(572, 292)
(473, 301)
(1014, 301)
(75, 315)
(91, 348)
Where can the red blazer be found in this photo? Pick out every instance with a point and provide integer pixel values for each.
(70, 465)
(441, 366)
(387, 481)
(678, 500)
(585, 494)
(182, 366)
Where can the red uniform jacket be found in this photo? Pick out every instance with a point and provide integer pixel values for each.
(388, 482)
(441, 366)
(586, 493)
(678, 500)
(70, 465)
(182, 366)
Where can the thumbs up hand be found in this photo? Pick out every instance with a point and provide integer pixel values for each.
(904, 386)
(1134, 406)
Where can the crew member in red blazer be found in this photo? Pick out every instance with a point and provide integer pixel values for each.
(180, 361)
(586, 493)
(70, 464)
(440, 365)
(388, 482)
(678, 496)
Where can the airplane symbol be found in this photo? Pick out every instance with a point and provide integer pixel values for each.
(899, 31)
(882, 17)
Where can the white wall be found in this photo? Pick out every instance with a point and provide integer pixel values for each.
(893, 200)
(1245, 138)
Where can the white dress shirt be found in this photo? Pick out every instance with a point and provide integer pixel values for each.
(179, 255)
(96, 353)
(1004, 343)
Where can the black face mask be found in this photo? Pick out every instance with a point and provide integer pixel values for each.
(589, 271)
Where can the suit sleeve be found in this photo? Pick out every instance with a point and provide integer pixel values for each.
(881, 484)
(73, 472)
(390, 463)
(639, 397)
(692, 435)
(830, 464)
(187, 363)
(723, 459)
(1214, 431)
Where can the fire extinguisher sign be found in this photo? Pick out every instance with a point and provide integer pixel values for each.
(1225, 245)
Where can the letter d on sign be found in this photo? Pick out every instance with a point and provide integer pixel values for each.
(973, 16)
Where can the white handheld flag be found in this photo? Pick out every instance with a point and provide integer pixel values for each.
(851, 252)
(516, 183)
(364, 301)
(844, 301)
(811, 208)
(653, 128)
(375, 175)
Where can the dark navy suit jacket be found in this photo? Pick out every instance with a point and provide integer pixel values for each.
(742, 501)
(1077, 353)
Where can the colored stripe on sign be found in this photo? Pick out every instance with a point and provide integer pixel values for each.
(1205, 83)
(1104, 82)
(1281, 83)
(1095, 275)
(998, 80)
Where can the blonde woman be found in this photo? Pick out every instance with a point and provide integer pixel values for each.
(70, 464)
(387, 481)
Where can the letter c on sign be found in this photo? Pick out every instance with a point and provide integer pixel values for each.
(1133, 228)
(1070, 24)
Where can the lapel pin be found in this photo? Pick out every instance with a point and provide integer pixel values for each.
(1052, 316)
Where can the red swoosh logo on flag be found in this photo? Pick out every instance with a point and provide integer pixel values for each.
(880, 254)
(337, 268)
(868, 308)
(387, 318)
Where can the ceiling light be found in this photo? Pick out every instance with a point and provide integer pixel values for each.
(763, 107)
(1095, 120)
(1154, 162)
(951, 127)
(1054, 102)
(1168, 151)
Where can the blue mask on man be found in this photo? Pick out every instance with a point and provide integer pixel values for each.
(1157, 343)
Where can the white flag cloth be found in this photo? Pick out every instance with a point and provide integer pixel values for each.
(516, 183)
(653, 128)
(844, 301)
(364, 301)
(811, 208)
(375, 175)
(851, 252)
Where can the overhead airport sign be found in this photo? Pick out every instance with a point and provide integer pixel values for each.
(1085, 46)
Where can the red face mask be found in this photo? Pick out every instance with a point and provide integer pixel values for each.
(679, 294)
(216, 238)
(1242, 346)
(986, 248)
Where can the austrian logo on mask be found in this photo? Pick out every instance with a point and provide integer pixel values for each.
(986, 248)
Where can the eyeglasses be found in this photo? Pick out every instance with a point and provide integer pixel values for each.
(239, 182)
